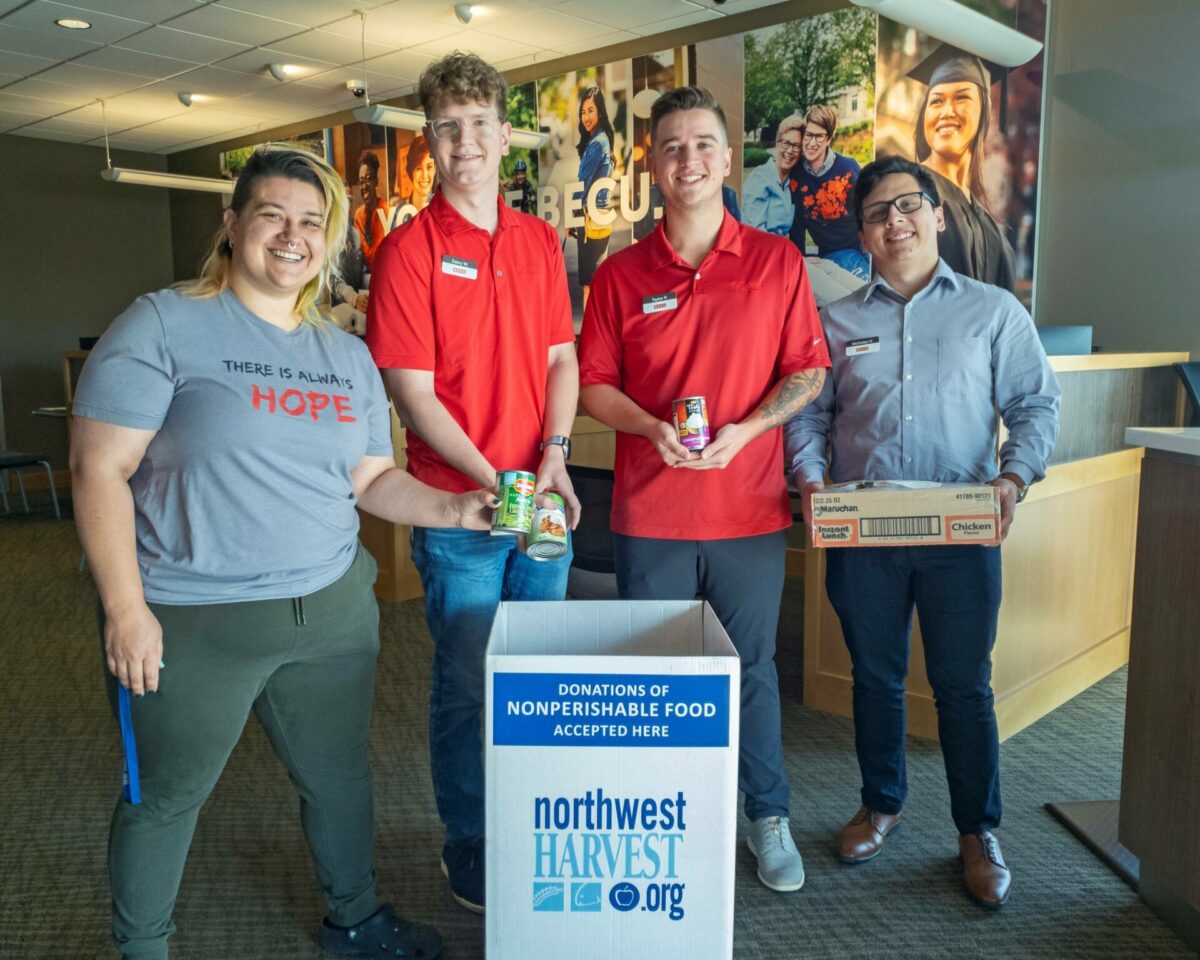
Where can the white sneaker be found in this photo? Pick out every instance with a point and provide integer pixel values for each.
(779, 864)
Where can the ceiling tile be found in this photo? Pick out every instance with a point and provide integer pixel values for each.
(144, 106)
(14, 118)
(134, 62)
(148, 11)
(443, 10)
(320, 45)
(85, 130)
(492, 49)
(61, 94)
(323, 99)
(97, 84)
(664, 26)
(146, 143)
(215, 21)
(402, 63)
(180, 45)
(741, 6)
(628, 14)
(607, 40)
(377, 82)
(7, 5)
(119, 114)
(255, 62)
(219, 82)
(395, 28)
(39, 17)
(22, 65)
(37, 130)
(311, 13)
(61, 45)
(547, 28)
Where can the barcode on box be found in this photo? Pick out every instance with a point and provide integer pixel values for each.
(900, 527)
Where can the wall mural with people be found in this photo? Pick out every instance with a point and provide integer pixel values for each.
(820, 96)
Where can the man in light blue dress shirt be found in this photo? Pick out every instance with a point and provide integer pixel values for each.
(923, 359)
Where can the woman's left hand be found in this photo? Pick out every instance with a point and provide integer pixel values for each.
(473, 510)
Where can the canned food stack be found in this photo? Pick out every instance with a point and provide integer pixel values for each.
(544, 526)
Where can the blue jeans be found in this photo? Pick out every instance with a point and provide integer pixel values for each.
(851, 259)
(466, 573)
(742, 578)
(956, 593)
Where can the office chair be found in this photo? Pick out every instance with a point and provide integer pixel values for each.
(1189, 373)
(593, 572)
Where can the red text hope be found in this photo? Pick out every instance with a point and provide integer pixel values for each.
(296, 403)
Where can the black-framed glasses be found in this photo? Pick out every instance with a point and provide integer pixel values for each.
(787, 146)
(452, 129)
(905, 203)
(816, 137)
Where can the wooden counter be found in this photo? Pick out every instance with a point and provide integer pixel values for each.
(1068, 560)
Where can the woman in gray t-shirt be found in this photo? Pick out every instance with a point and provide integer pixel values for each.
(224, 434)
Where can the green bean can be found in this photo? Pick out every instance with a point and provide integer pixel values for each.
(515, 513)
(548, 537)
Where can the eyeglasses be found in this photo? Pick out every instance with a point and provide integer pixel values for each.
(787, 146)
(905, 203)
(366, 181)
(452, 129)
(815, 137)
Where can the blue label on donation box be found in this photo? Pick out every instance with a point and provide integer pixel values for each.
(599, 710)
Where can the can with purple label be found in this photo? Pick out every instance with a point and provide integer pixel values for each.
(691, 422)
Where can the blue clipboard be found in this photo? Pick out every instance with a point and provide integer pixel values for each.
(131, 789)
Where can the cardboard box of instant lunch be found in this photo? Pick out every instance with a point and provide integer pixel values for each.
(611, 763)
(893, 513)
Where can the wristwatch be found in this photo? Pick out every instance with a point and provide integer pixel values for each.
(557, 441)
(1021, 485)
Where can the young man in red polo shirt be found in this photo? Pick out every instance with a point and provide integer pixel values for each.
(470, 321)
(705, 306)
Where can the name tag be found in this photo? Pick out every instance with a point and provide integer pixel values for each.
(458, 267)
(862, 345)
(659, 302)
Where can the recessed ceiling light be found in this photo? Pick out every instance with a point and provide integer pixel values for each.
(464, 12)
(69, 24)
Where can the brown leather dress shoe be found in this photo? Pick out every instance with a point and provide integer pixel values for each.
(985, 874)
(863, 837)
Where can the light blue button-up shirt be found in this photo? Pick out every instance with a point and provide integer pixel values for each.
(916, 385)
(767, 202)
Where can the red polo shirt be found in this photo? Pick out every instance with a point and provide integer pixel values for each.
(659, 329)
(481, 311)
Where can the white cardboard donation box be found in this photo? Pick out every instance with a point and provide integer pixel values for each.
(611, 764)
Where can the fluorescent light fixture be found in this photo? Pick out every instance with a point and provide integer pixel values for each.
(415, 120)
(68, 24)
(961, 27)
(464, 12)
(176, 181)
(283, 71)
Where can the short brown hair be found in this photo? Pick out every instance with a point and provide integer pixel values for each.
(686, 98)
(462, 77)
(822, 115)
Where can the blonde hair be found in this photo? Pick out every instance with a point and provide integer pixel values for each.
(280, 160)
(794, 122)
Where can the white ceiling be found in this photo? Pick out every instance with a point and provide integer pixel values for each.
(139, 54)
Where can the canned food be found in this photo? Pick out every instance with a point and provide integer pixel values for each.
(691, 422)
(515, 513)
(548, 538)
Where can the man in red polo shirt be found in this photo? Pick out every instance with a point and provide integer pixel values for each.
(470, 321)
(705, 306)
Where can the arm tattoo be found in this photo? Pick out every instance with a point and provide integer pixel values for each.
(795, 393)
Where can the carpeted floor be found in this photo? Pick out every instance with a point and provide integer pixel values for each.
(249, 892)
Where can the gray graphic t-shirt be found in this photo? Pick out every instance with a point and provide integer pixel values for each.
(245, 490)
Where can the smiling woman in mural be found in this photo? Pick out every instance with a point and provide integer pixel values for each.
(767, 189)
(949, 136)
(595, 161)
(420, 171)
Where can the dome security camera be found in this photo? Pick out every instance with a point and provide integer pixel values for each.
(357, 87)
